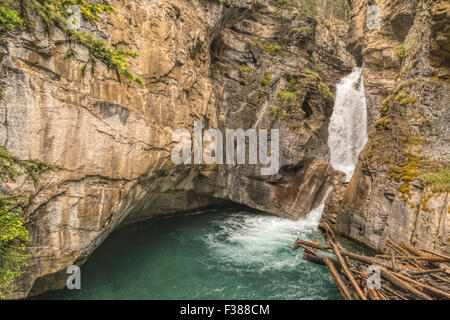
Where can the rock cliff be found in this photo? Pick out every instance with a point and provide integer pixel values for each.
(400, 187)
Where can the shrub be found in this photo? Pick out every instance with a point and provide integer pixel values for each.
(401, 51)
(244, 69)
(304, 30)
(13, 234)
(267, 77)
(53, 14)
(438, 181)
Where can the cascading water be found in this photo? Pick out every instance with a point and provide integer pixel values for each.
(347, 133)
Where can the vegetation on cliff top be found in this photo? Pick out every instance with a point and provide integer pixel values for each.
(13, 234)
(55, 14)
(331, 9)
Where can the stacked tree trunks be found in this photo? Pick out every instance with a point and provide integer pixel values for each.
(403, 273)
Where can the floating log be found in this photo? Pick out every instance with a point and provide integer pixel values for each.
(437, 254)
(348, 273)
(394, 280)
(421, 273)
(428, 288)
(337, 279)
(406, 273)
(325, 227)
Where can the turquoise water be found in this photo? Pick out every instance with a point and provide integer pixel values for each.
(221, 254)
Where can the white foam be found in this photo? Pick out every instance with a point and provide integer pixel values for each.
(261, 241)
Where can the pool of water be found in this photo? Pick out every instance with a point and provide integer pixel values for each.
(219, 254)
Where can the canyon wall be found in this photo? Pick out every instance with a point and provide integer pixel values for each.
(222, 64)
(395, 192)
(244, 64)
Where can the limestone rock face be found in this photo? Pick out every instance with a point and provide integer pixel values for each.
(406, 69)
(112, 142)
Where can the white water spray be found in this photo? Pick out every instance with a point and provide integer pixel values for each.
(261, 240)
(348, 125)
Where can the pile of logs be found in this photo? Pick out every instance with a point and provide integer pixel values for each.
(406, 273)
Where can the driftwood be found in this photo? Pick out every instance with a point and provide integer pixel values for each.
(338, 279)
(406, 272)
(348, 273)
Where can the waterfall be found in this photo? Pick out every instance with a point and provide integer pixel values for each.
(348, 124)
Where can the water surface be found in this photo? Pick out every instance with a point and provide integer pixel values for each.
(221, 254)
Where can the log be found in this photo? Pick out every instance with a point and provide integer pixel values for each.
(408, 272)
(421, 273)
(445, 280)
(395, 293)
(420, 259)
(310, 255)
(299, 243)
(354, 256)
(394, 249)
(373, 294)
(397, 282)
(382, 295)
(428, 288)
(437, 254)
(347, 272)
(394, 267)
(337, 279)
(401, 250)
(375, 261)
(415, 251)
(397, 247)
(326, 227)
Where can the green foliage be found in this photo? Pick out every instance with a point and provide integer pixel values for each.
(289, 96)
(291, 107)
(401, 95)
(9, 18)
(322, 87)
(13, 239)
(114, 59)
(438, 181)
(53, 14)
(309, 8)
(267, 77)
(383, 123)
(286, 4)
(273, 49)
(406, 173)
(274, 113)
(244, 69)
(314, 9)
(3, 92)
(401, 51)
(10, 163)
(404, 99)
(303, 30)
(385, 106)
(13, 234)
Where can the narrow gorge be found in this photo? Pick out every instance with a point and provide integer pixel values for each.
(358, 91)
